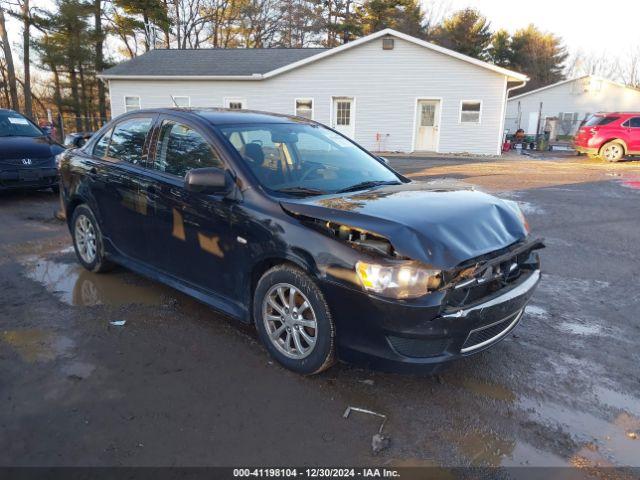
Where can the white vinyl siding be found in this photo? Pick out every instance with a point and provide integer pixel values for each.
(386, 84)
(181, 101)
(573, 101)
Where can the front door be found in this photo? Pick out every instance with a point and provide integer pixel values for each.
(343, 116)
(192, 231)
(427, 125)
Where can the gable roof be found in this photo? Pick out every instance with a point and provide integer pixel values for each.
(210, 62)
(258, 63)
(563, 82)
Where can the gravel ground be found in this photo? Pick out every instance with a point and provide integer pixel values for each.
(178, 384)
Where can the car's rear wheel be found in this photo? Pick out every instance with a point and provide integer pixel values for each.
(612, 152)
(293, 320)
(87, 240)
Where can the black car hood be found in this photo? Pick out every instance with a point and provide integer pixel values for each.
(438, 226)
(13, 148)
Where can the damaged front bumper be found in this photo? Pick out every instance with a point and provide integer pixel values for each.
(419, 336)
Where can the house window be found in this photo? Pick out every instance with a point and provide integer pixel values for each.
(131, 103)
(470, 111)
(304, 108)
(181, 102)
(343, 112)
(235, 103)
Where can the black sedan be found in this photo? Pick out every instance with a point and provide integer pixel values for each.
(27, 154)
(286, 224)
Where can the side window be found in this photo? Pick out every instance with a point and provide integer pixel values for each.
(634, 122)
(100, 148)
(180, 149)
(127, 140)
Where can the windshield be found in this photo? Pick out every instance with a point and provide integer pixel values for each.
(303, 159)
(15, 125)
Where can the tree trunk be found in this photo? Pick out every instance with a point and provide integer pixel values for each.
(8, 56)
(84, 101)
(26, 44)
(99, 59)
(75, 102)
(5, 89)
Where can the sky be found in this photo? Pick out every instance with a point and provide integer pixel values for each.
(595, 26)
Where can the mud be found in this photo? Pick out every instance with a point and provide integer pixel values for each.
(178, 384)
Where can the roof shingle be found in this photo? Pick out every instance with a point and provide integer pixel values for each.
(211, 61)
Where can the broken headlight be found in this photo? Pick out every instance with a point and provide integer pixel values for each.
(401, 280)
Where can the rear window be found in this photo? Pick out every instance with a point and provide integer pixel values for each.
(599, 120)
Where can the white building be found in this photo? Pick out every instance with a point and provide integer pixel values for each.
(571, 102)
(389, 91)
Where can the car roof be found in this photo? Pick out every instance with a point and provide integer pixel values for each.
(225, 116)
(604, 114)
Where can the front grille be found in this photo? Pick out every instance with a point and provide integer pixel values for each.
(418, 348)
(483, 336)
(35, 162)
(496, 277)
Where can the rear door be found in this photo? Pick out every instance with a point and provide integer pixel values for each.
(191, 234)
(120, 185)
(633, 140)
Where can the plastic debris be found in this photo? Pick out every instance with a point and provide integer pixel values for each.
(368, 381)
(118, 323)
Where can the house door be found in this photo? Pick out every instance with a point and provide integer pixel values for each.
(427, 125)
(343, 116)
(532, 126)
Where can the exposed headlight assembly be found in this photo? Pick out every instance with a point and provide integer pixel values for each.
(401, 280)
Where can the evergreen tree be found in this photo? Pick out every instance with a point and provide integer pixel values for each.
(467, 32)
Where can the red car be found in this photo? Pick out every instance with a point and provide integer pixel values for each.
(610, 136)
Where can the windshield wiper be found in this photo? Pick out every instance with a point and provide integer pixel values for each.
(368, 184)
(302, 191)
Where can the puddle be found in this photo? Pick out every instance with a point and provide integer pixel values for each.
(485, 448)
(536, 311)
(78, 370)
(74, 285)
(530, 209)
(580, 329)
(619, 400)
(609, 438)
(38, 345)
(490, 390)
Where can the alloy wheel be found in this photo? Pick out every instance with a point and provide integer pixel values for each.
(612, 152)
(85, 235)
(290, 321)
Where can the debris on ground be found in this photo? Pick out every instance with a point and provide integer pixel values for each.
(632, 435)
(368, 381)
(379, 441)
(118, 323)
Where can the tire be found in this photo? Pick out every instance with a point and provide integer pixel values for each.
(87, 240)
(612, 152)
(291, 347)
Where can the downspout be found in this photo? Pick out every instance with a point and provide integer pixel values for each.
(508, 90)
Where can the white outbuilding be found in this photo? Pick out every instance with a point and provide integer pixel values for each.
(388, 91)
(569, 102)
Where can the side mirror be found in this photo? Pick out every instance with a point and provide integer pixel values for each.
(208, 180)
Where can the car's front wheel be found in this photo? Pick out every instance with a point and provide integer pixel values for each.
(293, 320)
(87, 240)
(612, 152)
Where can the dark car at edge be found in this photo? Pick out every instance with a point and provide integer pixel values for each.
(27, 154)
(283, 223)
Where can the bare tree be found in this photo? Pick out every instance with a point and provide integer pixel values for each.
(8, 58)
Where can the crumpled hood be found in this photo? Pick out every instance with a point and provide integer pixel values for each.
(17, 148)
(439, 227)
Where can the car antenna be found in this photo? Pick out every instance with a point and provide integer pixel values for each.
(174, 102)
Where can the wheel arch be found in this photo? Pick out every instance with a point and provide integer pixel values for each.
(616, 140)
(298, 259)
